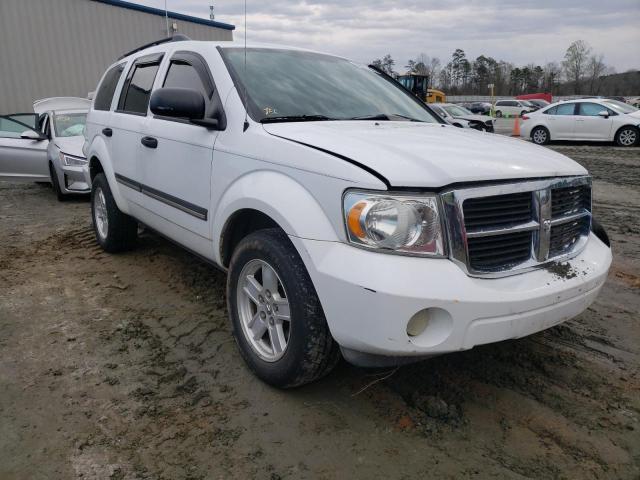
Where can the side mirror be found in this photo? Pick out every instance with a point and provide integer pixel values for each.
(603, 114)
(183, 103)
(32, 135)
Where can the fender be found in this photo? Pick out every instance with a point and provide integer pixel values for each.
(98, 151)
(293, 207)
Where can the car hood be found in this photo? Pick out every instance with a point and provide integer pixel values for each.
(70, 145)
(412, 154)
(478, 118)
(635, 115)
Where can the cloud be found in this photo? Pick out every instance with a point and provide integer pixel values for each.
(518, 31)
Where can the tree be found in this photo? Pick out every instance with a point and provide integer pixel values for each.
(595, 69)
(575, 62)
(551, 79)
(385, 64)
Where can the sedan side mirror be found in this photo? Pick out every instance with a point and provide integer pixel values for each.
(603, 114)
(32, 135)
(181, 103)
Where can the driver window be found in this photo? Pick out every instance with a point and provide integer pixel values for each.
(183, 75)
(591, 109)
(11, 128)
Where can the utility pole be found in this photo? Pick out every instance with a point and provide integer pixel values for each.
(166, 16)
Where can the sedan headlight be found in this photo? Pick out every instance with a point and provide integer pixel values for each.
(408, 224)
(71, 161)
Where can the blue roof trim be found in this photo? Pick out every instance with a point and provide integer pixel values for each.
(174, 15)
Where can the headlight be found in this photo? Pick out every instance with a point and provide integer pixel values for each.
(71, 161)
(394, 222)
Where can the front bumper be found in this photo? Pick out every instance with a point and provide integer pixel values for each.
(73, 180)
(368, 299)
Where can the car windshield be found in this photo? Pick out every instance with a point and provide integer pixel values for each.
(457, 111)
(619, 106)
(527, 103)
(288, 85)
(541, 103)
(69, 124)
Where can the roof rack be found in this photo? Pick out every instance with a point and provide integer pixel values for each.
(175, 38)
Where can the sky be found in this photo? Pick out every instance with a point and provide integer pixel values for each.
(520, 32)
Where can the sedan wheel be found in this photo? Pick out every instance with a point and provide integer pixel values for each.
(264, 310)
(540, 136)
(627, 137)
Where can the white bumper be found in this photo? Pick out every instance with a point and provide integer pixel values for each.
(369, 298)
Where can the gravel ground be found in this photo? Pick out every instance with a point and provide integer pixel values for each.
(123, 366)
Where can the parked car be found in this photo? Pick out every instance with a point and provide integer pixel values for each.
(598, 120)
(513, 108)
(349, 218)
(456, 122)
(482, 108)
(46, 145)
(453, 113)
(539, 103)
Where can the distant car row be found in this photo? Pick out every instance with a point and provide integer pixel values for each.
(46, 145)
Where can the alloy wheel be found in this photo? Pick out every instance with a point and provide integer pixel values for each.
(100, 213)
(628, 137)
(263, 310)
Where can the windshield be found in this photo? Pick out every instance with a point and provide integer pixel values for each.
(619, 106)
(281, 84)
(69, 124)
(457, 111)
(527, 103)
(540, 103)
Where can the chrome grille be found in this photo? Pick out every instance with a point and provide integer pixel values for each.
(510, 227)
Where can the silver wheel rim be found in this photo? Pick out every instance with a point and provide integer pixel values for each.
(263, 310)
(539, 136)
(100, 213)
(627, 137)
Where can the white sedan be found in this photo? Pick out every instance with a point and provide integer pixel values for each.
(598, 120)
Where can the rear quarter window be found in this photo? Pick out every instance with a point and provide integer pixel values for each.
(107, 88)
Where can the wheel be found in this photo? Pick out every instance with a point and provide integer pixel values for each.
(115, 231)
(523, 113)
(56, 184)
(627, 136)
(275, 313)
(498, 114)
(540, 136)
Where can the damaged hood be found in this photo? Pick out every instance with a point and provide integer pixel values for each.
(70, 145)
(412, 154)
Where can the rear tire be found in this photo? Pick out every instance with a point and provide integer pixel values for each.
(56, 184)
(540, 136)
(267, 276)
(627, 136)
(115, 231)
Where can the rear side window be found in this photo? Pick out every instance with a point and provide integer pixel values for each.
(565, 109)
(137, 89)
(108, 88)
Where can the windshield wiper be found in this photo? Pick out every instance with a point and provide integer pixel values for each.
(296, 118)
(384, 116)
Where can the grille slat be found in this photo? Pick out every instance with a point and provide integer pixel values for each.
(505, 251)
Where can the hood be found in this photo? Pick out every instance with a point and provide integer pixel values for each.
(70, 145)
(430, 155)
(60, 103)
(477, 118)
(635, 114)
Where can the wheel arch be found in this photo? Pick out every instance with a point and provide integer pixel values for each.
(98, 156)
(266, 199)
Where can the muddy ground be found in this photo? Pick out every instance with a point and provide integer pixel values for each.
(122, 367)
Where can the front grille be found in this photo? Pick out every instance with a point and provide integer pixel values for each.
(565, 236)
(570, 200)
(494, 230)
(499, 251)
(496, 211)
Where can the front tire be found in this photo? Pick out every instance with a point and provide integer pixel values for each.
(498, 114)
(540, 136)
(115, 231)
(275, 313)
(55, 183)
(627, 136)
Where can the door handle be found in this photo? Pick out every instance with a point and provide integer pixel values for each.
(107, 132)
(149, 142)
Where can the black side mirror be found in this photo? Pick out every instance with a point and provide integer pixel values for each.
(183, 103)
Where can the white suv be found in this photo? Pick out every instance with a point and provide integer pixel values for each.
(512, 108)
(349, 218)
